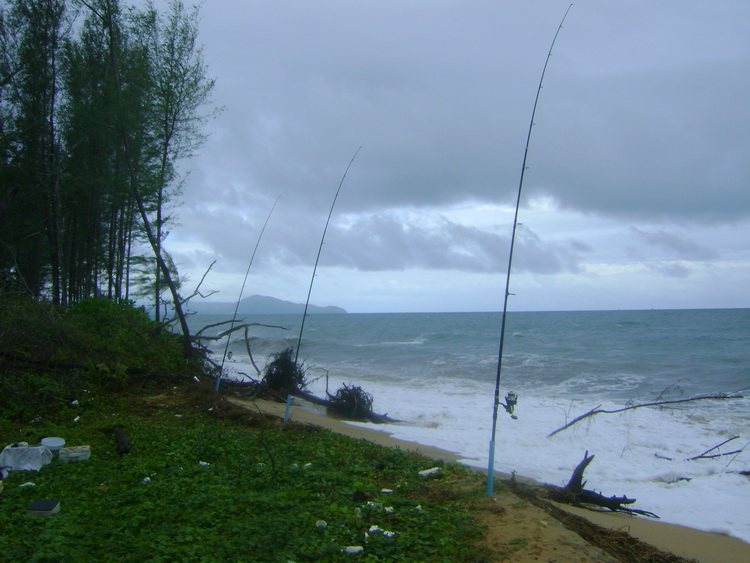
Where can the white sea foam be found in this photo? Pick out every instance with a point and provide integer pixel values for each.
(630, 447)
(566, 364)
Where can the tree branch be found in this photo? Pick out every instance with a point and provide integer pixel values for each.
(704, 456)
(597, 410)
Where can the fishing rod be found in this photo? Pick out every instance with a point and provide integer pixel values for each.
(244, 282)
(511, 397)
(317, 259)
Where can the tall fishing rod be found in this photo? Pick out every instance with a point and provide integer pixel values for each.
(239, 298)
(317, 259)
(511, 398)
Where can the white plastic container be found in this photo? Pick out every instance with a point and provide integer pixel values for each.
(53, 444)
(77, 453)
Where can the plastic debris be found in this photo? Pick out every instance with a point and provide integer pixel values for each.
(25, 458)
(203, 463)
(321, 524)
(75, 403)
(374, 529)
(53, 444)
(389, 509)
(386, 491)
(77, 453)
(146, 480)
(27, 484)
(428, 472)
(76, 419)
(354, 549)
(43, 508)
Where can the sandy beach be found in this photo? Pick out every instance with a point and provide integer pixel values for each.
(507, 516)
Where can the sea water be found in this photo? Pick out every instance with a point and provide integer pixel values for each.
(437, 374)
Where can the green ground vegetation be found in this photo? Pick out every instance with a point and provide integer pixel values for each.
(204, 480)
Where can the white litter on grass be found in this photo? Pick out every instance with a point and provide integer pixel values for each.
(195, 377)
(28, 484)
(203, 463)
(75, 403)
(146, 480)
(375, 529)
(76, 419)
(389, 509)
(354, 549)
(321, 524)
(307, 465)
(386, 491)
(428, 472)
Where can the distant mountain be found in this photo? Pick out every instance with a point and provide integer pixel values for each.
(262, 305)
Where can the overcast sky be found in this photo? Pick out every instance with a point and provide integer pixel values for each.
(637, 193)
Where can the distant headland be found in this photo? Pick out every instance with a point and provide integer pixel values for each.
(262, 305)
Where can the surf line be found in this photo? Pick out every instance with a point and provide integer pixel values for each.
(511, 398)
(239, 298)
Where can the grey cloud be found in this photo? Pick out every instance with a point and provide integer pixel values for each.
(440, 101)
(643, 120)
(678, 245)
(385, 242)
(671, 269)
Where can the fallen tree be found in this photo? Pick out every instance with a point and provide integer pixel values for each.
(284, 377)
(596, 410)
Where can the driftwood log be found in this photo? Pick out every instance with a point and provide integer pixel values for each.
(575, 494)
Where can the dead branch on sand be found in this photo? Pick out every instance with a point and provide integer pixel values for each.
(575, 494)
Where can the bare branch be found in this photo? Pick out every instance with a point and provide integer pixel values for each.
(704, 456)
(597, 410)
(249, 352)
(197, 291)
(235, 328)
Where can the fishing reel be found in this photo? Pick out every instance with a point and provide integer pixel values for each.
(511, 399)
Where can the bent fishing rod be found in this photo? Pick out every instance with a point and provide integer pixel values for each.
(244, 282)
(511, 398)
(317, 259)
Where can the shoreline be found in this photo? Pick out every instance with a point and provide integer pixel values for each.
(706, 547)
